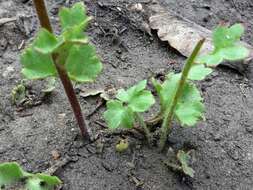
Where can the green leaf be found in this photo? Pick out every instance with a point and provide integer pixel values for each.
(168, 89)
(118, 115)
(50, 180)
(189, 109)
(10, 173)
(138, 99)
(36, 183)
(37, 65)
(199, 72)
(184, 158)
(210, 59)
(73, 16)
(224, 37)
(234, 53)
(45, 42)
(226, 46)
(75, 35)
(82, 64)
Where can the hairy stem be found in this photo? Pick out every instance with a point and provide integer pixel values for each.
(144, 126)
(68, 87)
(169, 113)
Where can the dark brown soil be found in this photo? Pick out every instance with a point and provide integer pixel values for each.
(223, 143)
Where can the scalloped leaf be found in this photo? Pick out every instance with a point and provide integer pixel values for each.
(199, 72)
(10, 172)
(227, 46)
(118, 115)
(190, 109)
(73, 16)
(82, 63)
(37, 65)
(46, 42)
(138, 99)
(167, 89)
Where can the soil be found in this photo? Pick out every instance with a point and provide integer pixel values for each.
(223, 143)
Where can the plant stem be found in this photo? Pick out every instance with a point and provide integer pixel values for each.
(144, 126)
(42, 14)
(68, 87)
(169, 113)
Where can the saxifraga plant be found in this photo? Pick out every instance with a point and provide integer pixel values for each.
(180, 99)
(68, 55)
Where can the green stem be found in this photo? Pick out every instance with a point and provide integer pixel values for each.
(169, 113)
(68, 87)
(144, 126)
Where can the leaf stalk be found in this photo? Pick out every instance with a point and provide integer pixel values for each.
(169, 113)
(144, 126)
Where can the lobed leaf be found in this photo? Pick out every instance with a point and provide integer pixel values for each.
(10, 173)
(138, 99)
(75, 35)
(46, 42)
(199, 72)
(82, 63)
(226, 46)
(189, 108)
(37, 65)
(41, 181)
(167, 90)
(74, 16)
(118, 115)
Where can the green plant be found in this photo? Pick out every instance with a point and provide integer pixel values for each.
(125, 110)
(68, 55)
(11, 173)
(180, 99)
(226, 46)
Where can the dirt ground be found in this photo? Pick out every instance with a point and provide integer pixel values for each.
(223, 143)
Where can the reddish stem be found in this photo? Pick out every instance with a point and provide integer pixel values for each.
(68, 87)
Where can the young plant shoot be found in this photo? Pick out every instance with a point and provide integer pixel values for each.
(180, 99)
(12, 174)
(68, 55)
(127, 108)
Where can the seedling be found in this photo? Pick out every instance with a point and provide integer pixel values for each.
(226, 46)
(180, 99)
(125, 110)
(11, 173)
(69, 55)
